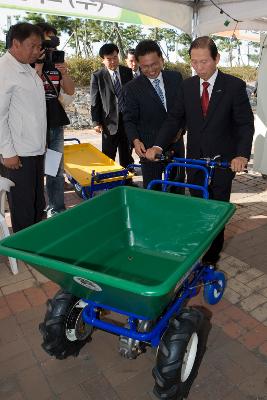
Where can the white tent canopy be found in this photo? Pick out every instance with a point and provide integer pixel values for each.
(207, 17)
(199, 17)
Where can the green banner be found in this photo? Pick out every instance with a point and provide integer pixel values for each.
(82, 9)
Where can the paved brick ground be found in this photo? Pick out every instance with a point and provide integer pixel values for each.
(234, 366)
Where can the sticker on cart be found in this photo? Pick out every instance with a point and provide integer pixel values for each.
(88, 284)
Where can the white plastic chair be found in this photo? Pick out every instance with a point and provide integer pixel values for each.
(5, 185)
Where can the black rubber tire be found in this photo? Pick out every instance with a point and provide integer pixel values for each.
(171, 353)
(63, 313)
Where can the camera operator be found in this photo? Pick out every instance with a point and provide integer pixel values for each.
(23, 125)
(53, 71)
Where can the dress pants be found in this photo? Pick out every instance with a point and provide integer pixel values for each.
(119, 141)
(219, 189)
(26, 199)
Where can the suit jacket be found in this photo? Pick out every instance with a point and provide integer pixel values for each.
(104, 105)
(144, 112)
(228, 127)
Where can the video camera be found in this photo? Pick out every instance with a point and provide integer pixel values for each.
(52, 56)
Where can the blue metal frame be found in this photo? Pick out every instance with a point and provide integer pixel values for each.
(167, 183)
(206, 166)
(201, 275)
(96, 184)
(72, 140)
(197, 276)
(88, 191)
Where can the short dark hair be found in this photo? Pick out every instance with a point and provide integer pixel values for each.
(46, 27)
(131, 51)
(21, 32)
(205, 42)
(147, 46)
(108, 49)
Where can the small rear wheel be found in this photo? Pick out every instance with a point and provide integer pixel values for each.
(213, 292)
(78, 190)
(179, 355)
(64, 331)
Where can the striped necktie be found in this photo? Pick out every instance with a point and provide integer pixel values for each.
(157, 87)
(118, 91)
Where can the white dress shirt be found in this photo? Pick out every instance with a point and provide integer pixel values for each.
(22, 109)
(111, 72)
(161, 85)
(211, 82)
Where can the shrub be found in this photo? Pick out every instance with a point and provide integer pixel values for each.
(183, 68)
(80, 69)
(248, 74)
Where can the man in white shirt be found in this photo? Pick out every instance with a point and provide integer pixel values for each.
(23, 125)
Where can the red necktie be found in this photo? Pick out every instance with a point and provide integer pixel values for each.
(205, 98)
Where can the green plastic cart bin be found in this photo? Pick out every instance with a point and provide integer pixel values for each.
(128, 248)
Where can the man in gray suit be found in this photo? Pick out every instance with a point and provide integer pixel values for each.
(107, 104)
(148, 99)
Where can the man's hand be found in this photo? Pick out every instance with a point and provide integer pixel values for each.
(12, 162)
(139, 148)
(98, 128)
(152, 152)
(66, 82)
(238, 164)
(62, 67)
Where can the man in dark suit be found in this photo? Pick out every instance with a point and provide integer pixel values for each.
(219, 121)
(107, 104)
(148, 99)
(132, 63)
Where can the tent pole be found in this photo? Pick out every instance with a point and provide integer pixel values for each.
(195, 18)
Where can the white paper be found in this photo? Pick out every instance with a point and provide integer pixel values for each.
(52, 161)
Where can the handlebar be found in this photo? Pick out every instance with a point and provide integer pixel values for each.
(207, 162)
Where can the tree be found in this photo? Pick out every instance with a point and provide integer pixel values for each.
(227, 45)
(83, 33)
(166, 38)
(2, 48)
(184, 41)
(255, 56)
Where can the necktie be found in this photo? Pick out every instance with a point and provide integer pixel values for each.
(205, 98)
(156, 83)
(118, 91)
